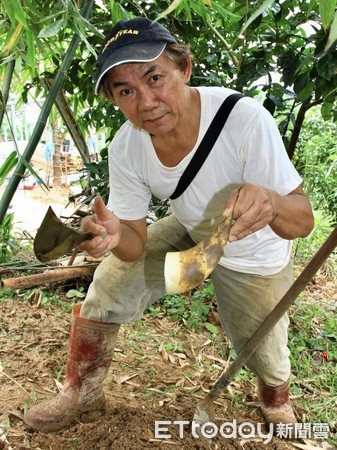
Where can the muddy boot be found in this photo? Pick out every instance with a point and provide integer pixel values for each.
(275, 403)
(90, 353)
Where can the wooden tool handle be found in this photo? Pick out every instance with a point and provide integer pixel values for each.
(290, 296)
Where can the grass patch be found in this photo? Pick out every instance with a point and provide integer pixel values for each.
(193, 308)
(312, 342)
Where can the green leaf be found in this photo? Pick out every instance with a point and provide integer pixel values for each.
(326, 110)
(288, 61)
(310, 6)
(300, 82)
(52, 29)
(31, 49)
(7, 166)
(265, 5)
(188, 13)
(269, 105)
(117, 12)
(210, 327)
(84, 24)
(326, 11)
(168, 10)
(78, 31)
(9, 8)
(19, 12)
(200, 9)
(72, 293)
(50, 17)
(332, 34)
(33, 172)
(15, 11)
(307, 91)
(327, 66)
(224, 12)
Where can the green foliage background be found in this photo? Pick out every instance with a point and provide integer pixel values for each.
(281, 52)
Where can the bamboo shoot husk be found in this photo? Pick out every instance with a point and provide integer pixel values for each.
(187, 269)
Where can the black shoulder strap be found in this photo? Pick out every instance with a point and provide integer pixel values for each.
(206, 144)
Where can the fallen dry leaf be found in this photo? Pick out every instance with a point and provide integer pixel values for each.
(123, 378)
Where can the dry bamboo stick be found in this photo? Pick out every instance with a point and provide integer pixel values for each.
(51, 276)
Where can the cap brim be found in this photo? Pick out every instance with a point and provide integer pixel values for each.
(131, 54)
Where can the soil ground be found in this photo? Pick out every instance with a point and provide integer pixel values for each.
(146, 383)
(161, 369)
(30, 201)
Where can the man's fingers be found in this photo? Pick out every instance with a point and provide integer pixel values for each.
(253, 219)
(97, 244)
(230, 205)
(101, 210)
(241, 230)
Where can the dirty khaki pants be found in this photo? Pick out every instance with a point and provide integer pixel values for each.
(121, 291)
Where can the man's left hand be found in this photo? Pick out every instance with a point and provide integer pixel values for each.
(253, 208)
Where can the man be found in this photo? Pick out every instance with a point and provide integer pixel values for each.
(146, 73)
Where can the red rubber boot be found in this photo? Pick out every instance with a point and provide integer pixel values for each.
(275, 403)
(90, 354)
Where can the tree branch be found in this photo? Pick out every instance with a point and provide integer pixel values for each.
(305, 106)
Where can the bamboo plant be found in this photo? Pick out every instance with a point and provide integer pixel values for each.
(23, 162)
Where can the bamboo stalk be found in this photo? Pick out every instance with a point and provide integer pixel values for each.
(6, 86)
(70, 121)
(42, 120)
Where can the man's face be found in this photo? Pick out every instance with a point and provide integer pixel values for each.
(151, 95)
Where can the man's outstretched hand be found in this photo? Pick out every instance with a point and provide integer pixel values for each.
(106, 228)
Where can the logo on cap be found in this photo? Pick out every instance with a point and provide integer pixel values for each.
(117, 35)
